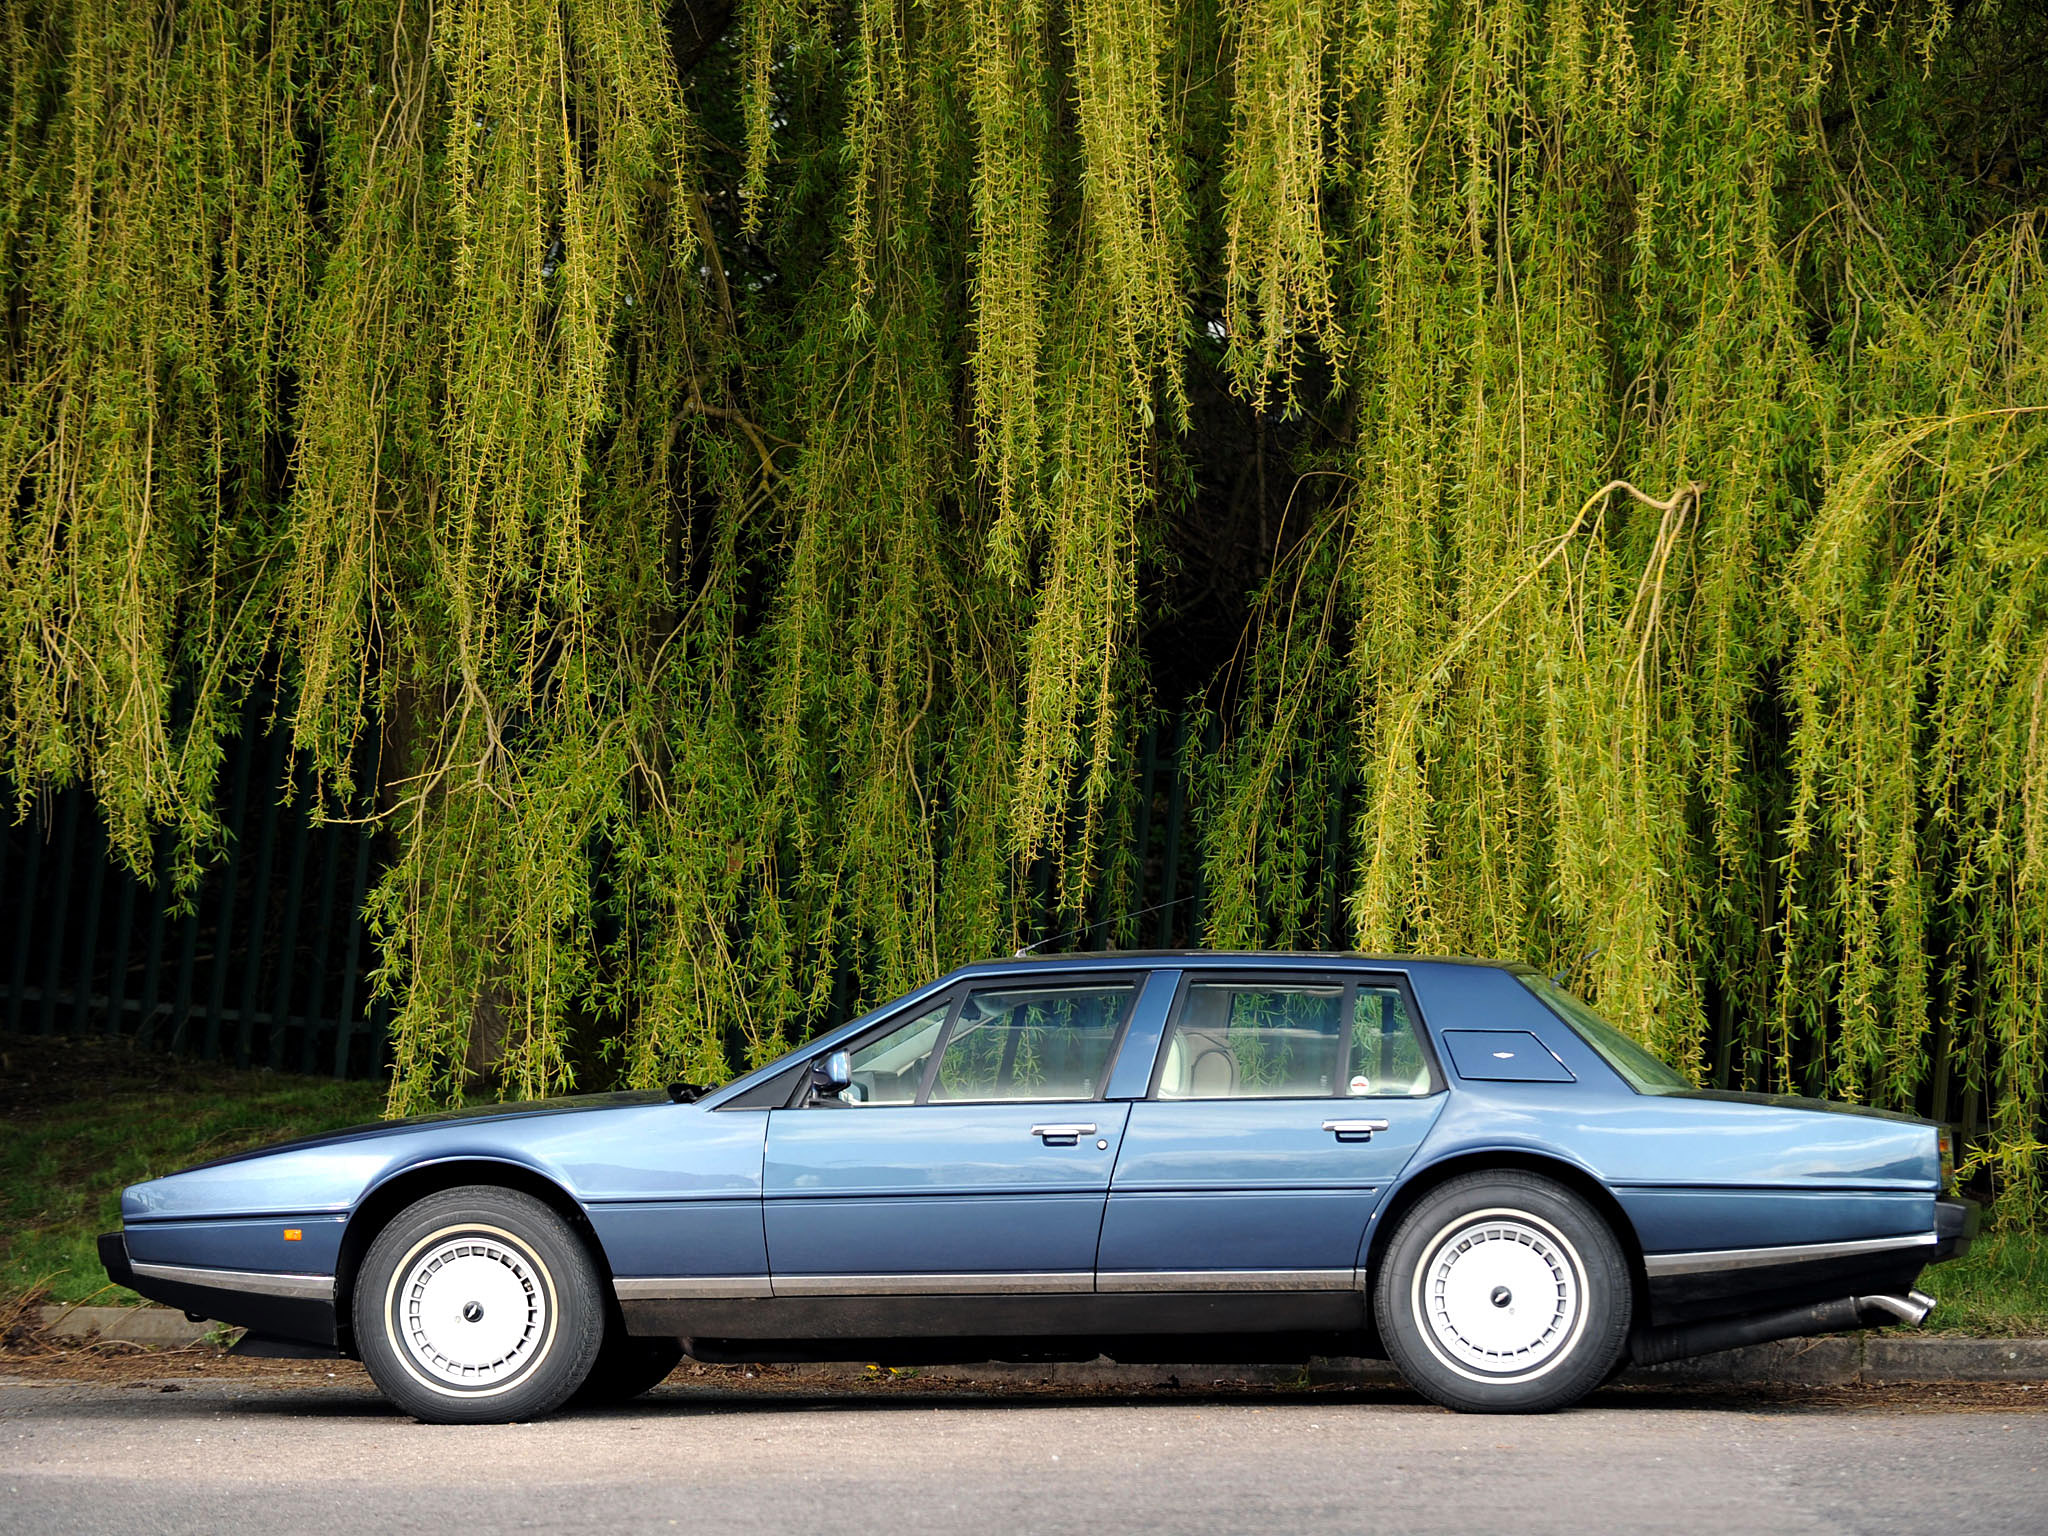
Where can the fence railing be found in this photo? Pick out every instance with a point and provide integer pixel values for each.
(263, 965)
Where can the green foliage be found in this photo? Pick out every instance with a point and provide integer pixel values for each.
(1753, 738)
(702, 490)
(1998, 1289)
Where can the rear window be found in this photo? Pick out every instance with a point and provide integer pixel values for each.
(1642, 1071)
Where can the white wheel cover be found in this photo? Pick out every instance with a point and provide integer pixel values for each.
(471, 1311)
(1500, 1296)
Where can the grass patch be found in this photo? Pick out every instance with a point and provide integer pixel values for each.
(1999, 1288)
(85, 1118)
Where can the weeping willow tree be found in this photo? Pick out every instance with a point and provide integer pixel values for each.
(724, 488)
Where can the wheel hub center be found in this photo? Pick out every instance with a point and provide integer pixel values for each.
(471, 1311)
(1500, 1295)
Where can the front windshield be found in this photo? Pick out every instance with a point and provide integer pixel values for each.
(1642, 1071)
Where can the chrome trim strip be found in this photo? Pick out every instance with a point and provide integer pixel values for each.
(254, 1282)
(1027, 1283)
(690, 1287)
(1699, 1261)
(1227, 1280)
(993, 1283)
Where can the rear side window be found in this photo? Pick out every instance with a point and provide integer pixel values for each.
(1255, 1040)
(1279, 1039)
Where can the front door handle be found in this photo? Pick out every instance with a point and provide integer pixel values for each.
(1354, 1130)
(1061, 1135)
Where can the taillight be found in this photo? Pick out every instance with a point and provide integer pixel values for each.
(1947, 1137)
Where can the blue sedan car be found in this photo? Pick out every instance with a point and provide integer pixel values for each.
(1152, 1156)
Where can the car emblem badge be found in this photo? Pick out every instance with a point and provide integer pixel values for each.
(472, 1312)
(1502, 1296)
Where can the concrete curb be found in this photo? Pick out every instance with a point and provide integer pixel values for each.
(156, 1327)
(1843, 1360)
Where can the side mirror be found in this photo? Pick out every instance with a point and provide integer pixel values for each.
(830, 1074)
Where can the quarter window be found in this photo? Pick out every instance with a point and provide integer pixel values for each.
(1031, 1043)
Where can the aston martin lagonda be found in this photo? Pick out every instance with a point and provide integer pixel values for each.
(1157, 1157)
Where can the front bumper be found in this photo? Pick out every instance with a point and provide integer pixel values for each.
(1955, 1227)
(297, 1307)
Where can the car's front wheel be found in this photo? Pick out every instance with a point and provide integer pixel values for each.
(1504, 1292)
(478, 1305)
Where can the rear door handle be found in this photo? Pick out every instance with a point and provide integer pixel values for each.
(1354, 1130)
(1061, 1135)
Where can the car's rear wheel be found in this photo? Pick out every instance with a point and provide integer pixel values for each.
(1504, 1292)
(478, 1305)
(626, 1367)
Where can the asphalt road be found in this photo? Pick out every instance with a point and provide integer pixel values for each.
(229, 1457)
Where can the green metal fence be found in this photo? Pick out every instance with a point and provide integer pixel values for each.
(263, 965)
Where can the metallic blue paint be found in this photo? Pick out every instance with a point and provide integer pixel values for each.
(258, 1244)
(683, 1190)
(921, 1188)
(1254, 1183)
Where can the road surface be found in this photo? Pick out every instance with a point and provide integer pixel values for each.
(330, 1457)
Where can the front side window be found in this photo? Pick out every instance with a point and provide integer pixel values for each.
(889, 1069)
(1031, 1043)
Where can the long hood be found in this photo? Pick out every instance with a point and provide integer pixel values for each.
(624, 1145)
(525, 1109)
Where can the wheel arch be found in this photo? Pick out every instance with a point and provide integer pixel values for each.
(1505, 1159)
(403, 1187)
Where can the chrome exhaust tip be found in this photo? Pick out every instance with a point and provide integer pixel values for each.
(1911, 1308)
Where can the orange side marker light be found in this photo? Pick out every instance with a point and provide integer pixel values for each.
(293, 1234)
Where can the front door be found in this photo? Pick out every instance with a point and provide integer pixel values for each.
(1281, 1109)
(972, 1152)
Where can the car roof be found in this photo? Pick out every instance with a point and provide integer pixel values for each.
(1212, 959)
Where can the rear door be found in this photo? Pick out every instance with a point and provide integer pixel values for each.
(1281, 1108)
(972, 1153)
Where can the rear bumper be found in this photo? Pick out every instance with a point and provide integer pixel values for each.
(1699, 1286)
(282, 1306)
(1955, 1227)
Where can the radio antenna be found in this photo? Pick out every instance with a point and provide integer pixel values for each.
(1072, 933)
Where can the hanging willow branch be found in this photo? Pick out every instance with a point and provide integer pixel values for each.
(724, 489)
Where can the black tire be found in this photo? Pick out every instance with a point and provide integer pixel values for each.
(1447, 1305)
(626, 1367)
(466, 1258)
